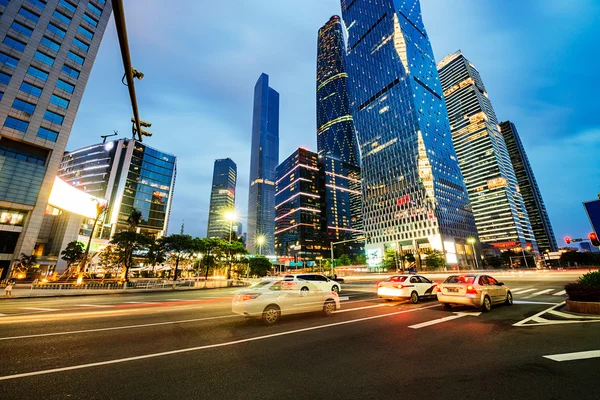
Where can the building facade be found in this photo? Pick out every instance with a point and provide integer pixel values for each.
(532, 197)
(413, 192)
(46, 56)
(222, 198)
(264, 158)
(298, 222)
(498, 206)
(336, 143)
(128, 174)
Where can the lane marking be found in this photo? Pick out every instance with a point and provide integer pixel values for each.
(40, 309)
(209, 346)
(532, 302)
(95, 305)
(362, 308)
(445, 319)
(561, 293)
(541, 292)
(515, 289)
(2, 315)
(345, 298)
(581, 355)
(524, 291)
(115, 328)
(571, 316)
(523, 322)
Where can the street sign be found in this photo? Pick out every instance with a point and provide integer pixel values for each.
(553, 255)
(593, 211)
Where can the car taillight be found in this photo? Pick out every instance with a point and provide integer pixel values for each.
(380, 284)
(250, 296)
(438, 289)
(398, 286)
(471, 290)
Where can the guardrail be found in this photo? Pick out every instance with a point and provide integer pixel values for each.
(137, 285)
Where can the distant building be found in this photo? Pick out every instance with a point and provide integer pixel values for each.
(264, 158)
(47, 52)
(337, 144)
(222, 198)
(532, 197)
(498, 206)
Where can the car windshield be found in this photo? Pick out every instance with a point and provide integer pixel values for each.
(460, 279)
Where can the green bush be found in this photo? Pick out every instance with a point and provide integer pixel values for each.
(591, 279)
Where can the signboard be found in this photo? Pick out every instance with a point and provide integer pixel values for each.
(496, 183)
(593, 211)
(553, 255)
(68, 198)
(374, 256)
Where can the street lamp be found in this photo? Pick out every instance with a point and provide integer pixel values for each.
(472, 241)
(232, 217)
(260, 240)
(523, 251)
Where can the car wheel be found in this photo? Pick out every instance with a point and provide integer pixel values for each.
(271, 314)
(304, 291)
(447, 306)
(487, 304)
(509, 299)
(328, 308)
(414, 297)
(335, 288)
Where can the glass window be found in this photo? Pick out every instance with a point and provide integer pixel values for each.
(67, 87)
(16, 124)
(4, 2)
(94, 9)
(22, 151)
(22, 29)
(101, 1)
(62, 17)
(50, 43)
(29, 15)
(460, 279)
(33, 90)
(320, 278)
(75, 57)
(424, 280)
(396, 279)
(59, 101)
(8, 60)
(491, 281)
(4, 78)
(89, 20)
(53, 117)
(70, 71)
(67, 5)
(47, 134)
(80, 44)
(85, 32)
(56, 30)
(15, 44)
(37, 73)
(38, 3)
(414, 279)
(44, 58)
(24, 106)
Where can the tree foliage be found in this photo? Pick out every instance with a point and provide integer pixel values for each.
(259, 266)
(344, 260)
(435, 260)
(360, 259)
(73, 253)
(390, 259)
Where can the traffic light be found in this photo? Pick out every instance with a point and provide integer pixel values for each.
(567, 240)
(594, 239)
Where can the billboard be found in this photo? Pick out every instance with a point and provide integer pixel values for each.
(68, 198)
(593, 211)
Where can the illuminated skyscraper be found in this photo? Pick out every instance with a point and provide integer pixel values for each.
(264, 158)
(498, 206)
(46, 56)
(532, 197)
(336, 142)
(413, 192)
(222, 198)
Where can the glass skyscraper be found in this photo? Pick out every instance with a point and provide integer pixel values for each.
(336, 142)
(498, 206)
(532, 197)
(222, 198)
(413, 191)
(46, 55)
(264, 158)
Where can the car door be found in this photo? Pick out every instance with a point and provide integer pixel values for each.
(417, 285)
(499, 292)
(285, 296)
(427, 285)
(323, 283)
(311, 301)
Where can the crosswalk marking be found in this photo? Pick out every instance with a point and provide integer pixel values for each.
(561, 293)
(582, 355)
(541, 292)
(40, 309)
(515, 289)
(524, 291)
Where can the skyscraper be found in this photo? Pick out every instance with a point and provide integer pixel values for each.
(264, 158)
(46, 55)
(336, 142)
(498, 207)
(532, 197)
(222, 198)
(413, 192)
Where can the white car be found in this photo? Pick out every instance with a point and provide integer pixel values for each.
(318, 280)
(412, 287)
(269, 300)
(481, 291)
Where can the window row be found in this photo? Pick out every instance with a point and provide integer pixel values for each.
(44, 133)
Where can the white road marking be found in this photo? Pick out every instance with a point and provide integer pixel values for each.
(345, 298)
(361, 308)
(561, 293)
(95, 305)
(138, 302)
(205, 347)
(572, 316)
(532, 302)
(541, 292)
(533, 317)
(2, 315)
(445, 319)
(524, 291)
(115, 328)
(581, 355)
(40, 309)
(515, 289)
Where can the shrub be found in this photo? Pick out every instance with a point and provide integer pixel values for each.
(591, 279)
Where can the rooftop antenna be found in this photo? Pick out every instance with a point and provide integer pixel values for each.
(182, 225)
(107, 136)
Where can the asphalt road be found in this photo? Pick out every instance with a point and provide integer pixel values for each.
(188, 345)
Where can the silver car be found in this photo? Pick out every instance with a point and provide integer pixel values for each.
(475, 290)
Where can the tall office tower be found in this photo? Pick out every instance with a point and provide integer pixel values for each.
(222, 198)
(128, 174)
(298, 224)
(532, 197)
(336, 142)
(413, 193)
(264, 158)
(498, 207)
(46, 55)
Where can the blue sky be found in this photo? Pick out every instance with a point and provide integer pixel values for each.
(201, 59)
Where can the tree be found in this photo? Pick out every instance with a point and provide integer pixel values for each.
(127, 243)
(233, 249)
(435, 260)
(409, 258)
(360, 259)
(211, 248)
(109, 260)
(344, 260)
(494, 261)
(73, 253)
(259, 266)
(156, 253)
(179, 245)
(390, 259)
(24, 263)
(134, 219)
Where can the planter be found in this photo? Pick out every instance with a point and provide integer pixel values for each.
(583, 293)
(584, 307)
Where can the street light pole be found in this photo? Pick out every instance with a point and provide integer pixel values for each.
(471, 241)
(523, 251)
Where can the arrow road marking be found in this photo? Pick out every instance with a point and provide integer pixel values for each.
(445, 319)
(581, 355)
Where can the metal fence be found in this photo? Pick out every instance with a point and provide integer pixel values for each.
(139, 285)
